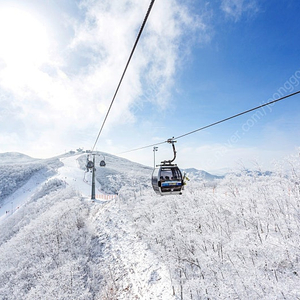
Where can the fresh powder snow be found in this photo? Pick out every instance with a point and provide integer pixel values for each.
(227, 237)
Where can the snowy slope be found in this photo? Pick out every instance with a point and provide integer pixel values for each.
(20, 177)
(195, 174)
(119, 172)
(237, 238)
(14, 201)
(13, 157)
(46, 200)
(74, 176)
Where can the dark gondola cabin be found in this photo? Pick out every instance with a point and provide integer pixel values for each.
(89, 165)
(167, 180)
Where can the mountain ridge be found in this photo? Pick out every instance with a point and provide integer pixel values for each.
(58, 243)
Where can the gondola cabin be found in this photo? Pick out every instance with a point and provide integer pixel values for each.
(167, 180)
(89, 165)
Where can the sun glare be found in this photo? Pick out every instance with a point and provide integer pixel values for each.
(23, 39)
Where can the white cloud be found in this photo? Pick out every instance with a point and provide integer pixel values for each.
(236, 8)
(70, 87)
(24, 39)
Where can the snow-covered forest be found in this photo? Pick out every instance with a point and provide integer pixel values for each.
(235, 237)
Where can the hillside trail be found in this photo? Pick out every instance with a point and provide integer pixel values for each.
(80, 180)
(13, 202)
(125, 252)
(129, 264)
(75, 177)
(70, 173)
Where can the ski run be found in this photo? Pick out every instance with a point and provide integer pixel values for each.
(235, 237)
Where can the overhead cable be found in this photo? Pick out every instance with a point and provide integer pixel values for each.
(218, 122)
(160, 143)
(127, 64)
(237, 115)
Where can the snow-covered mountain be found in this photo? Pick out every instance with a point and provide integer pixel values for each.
(234, 237)
(13, 157)
(200, 175)
(118, 172)
(16, 169)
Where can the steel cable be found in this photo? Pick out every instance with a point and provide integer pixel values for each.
(127, 64)
(215, 123)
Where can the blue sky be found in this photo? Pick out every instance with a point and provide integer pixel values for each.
(196, 63)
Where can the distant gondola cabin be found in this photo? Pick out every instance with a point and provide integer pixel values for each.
(90, 164)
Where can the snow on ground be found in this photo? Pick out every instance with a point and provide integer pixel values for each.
(74, 176)
(235, 238)
(12, 203)
(130, 270)
(135, 271)
(78, 179)
(146, 276)
(70, 173)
